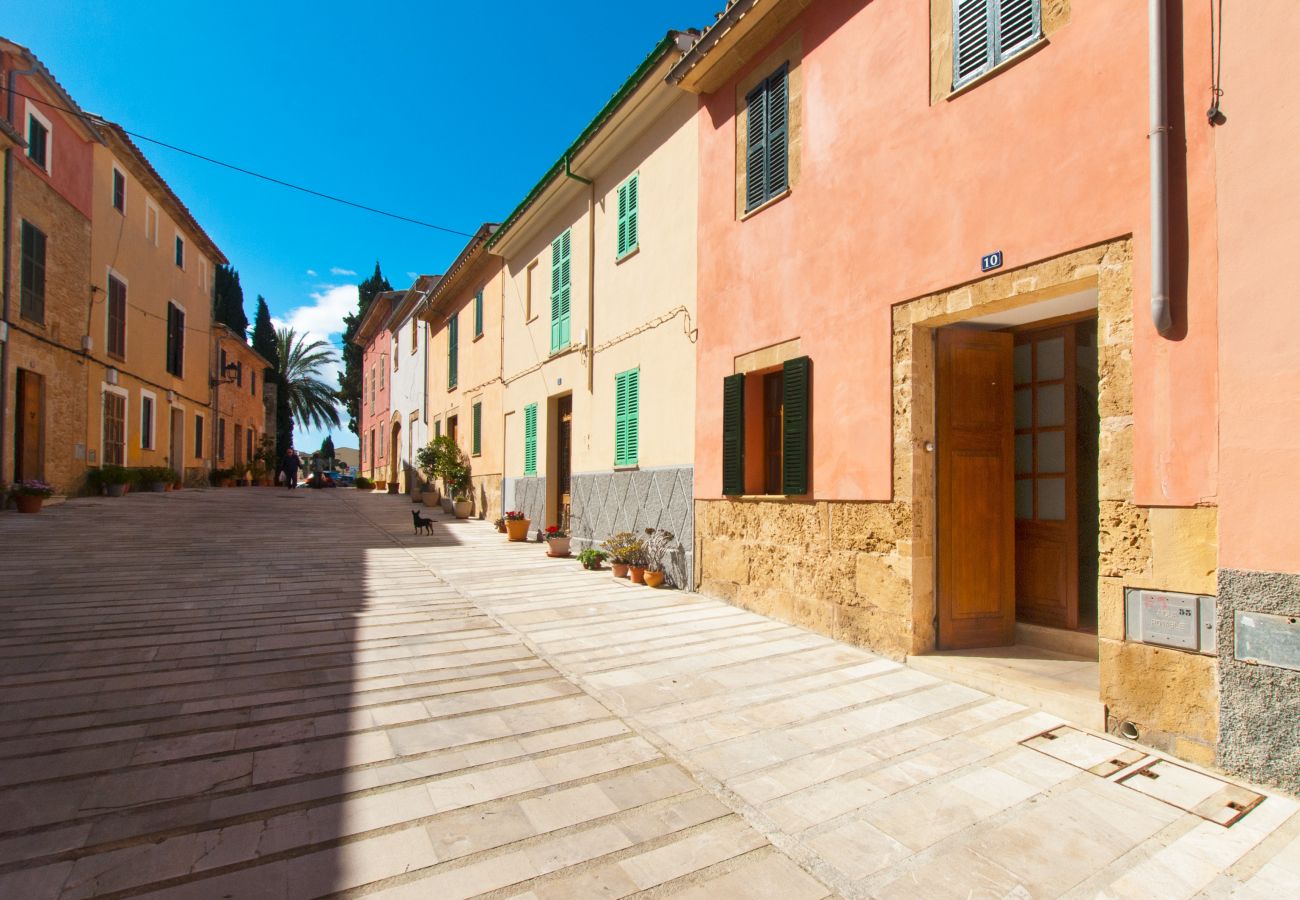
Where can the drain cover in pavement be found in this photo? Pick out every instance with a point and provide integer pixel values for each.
(1082, 750)
(1206, 796)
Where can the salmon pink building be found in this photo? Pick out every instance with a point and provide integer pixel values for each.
(973, 388)
(378, 456)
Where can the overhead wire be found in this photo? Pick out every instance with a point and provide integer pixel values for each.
(244, 171)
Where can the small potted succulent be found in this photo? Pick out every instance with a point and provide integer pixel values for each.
(30, 493)
(621, 548)
(591, 558)
(557, 541)
(517, 525)
(656, 548)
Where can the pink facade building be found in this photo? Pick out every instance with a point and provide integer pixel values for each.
(377, 454)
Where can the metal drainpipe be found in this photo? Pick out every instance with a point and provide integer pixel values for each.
(8, 259)
(1159, 147)
(591, 272)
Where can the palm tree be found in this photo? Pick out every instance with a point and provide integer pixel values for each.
(312, 403)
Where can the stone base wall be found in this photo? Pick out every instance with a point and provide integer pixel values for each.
(487, 497)
(1259, 704)
(607, 502)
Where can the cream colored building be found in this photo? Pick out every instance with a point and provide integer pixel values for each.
(599, 310)
(464, 313)
(409, 391)
(150, 397)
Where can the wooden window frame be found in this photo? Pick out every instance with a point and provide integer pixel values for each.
(115, 337)
(34, 115)
(179, 255)
(149, 426)
(175, 360)
(31, 292)
(125, 396)
(119, 190)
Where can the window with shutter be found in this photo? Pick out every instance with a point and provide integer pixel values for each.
(733, 435)
(114, 427)
(478, 313)
(38, 137)
(767, 138)
(987, 33)
(119, 191)
(146, 422)
(795, 421)
(627, 417)
(453, 351)
(628, 215)
(116, 318)
(561, 288)
(198, 436)
(32, 277)
(175, 340)
(476, 431)
(530, 439)
(180, 252)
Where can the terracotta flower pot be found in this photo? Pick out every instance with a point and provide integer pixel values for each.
(653, 579)
(158, 487)
(462, 508)
(502, 528)
(638, 574)
(620, 569)
(517, 529)
(558, 546)
(115, 490)
(27, 503)
(429, 498)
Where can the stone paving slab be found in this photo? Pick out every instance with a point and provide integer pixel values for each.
(263, 693)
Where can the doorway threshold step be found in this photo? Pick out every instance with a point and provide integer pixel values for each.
(1062, 684)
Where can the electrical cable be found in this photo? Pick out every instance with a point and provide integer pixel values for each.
(1214, 114)
(217, 162)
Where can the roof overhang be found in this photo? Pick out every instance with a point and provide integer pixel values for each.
(55, 94)
(375, 317)
(413, 300)
(643, 98)
(743, 30)
(459, 273)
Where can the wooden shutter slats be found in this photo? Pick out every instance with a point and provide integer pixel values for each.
(778, 109)
(530, 439)
(795, 422)
(1017, 25)
(756, 146)
(733, 435)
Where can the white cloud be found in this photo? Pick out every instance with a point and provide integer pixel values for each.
(335, 270)
(322, 319)
(412, 275)
(311, 273)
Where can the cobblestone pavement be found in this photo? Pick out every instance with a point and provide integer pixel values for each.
(263, 693)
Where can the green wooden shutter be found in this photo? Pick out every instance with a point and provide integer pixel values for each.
(627, 412)
(476, 439)
(733, 435)
(437, 428)
(795, 424)
(972, 39)
(627, 216)
(561, 288)
(620, 419)
(778, 132)
(453, 351)
(756, 147)
(478, 313)
(530, 439)
(622, 219)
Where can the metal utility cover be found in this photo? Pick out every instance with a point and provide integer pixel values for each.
(1203, 795)
(1170, 619)
(1082, 750)
(1267, 639)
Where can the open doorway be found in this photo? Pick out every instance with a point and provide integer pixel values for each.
(559, 461)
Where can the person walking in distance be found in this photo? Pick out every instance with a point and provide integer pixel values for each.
(290, 469)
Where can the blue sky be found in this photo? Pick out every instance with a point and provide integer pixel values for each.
(444, 112)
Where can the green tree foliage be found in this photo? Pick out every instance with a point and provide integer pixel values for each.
(264, 340)
(327, 447)
(312, 403)
(228, 301)
(350, 377)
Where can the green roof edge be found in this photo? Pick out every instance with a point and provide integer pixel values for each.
(668, 41)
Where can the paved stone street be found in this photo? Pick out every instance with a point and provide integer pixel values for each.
(263, 693)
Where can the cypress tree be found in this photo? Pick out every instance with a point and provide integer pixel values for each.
(228, 301)
(350, 377)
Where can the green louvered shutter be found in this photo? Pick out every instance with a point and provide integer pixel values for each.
(627, 412)
(478, 313)
(733, 435)
(620, 419)
(796, 416)
(530, 439)
(756, 147)
(566, 290)
(628, 216)
(622, 220)
(972, 39)
(778, 132)
(453, 352)
(476, 434)
(561, 289)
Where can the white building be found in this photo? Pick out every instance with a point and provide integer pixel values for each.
(409, 398)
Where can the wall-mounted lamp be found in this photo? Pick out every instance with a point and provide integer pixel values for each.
(171, 396)
(111, 375)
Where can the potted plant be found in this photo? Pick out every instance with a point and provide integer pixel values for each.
(656, 548)
(363, 483)
(452, 467)
(557, 541)
(622, 548)
(257, 472)
(591, 558)
(517, 525)
(222, 477)
(427, 460)
(29, 494)
(113, 480)
(500, 524)
(154, 478)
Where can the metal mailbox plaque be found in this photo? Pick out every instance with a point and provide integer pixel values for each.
(1170, 619)
(1267, 639)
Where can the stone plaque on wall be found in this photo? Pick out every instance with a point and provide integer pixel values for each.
(1267, 640)
(1170, 619)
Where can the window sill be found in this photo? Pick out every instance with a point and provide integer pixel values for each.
(771, 201)
(619, 260)
(770, 498)
(998, 69)
(632, 467)
(478, 337)
(530, 320)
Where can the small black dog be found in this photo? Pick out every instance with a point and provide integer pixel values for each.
(421, 523)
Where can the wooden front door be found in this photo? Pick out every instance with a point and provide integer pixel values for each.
(1047, 523)
(176, 451)
(975, 508)
(564, 460)
(29, 427)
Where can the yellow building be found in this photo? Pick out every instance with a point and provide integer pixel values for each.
(464, 311)
(150, 397)
(240, 394)
(599, 309)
